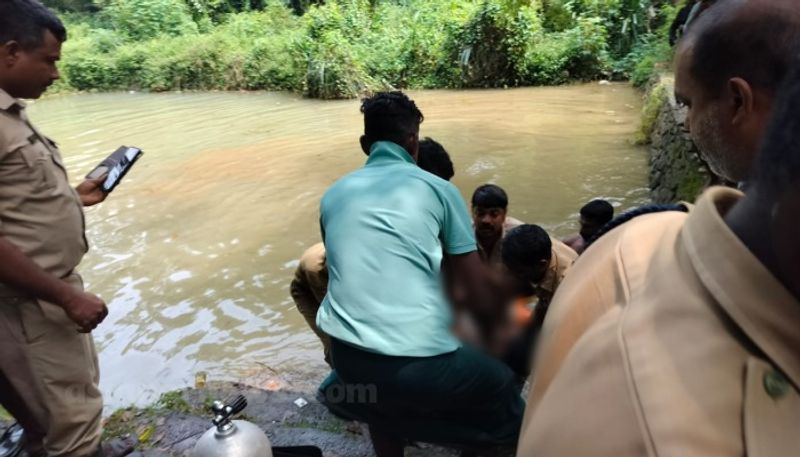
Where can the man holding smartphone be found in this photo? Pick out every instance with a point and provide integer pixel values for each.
(48, 362)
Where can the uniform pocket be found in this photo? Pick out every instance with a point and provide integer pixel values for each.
(40, 164)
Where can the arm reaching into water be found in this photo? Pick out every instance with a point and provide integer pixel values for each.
(20, 272)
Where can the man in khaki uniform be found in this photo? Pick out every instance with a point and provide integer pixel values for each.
(699, 355)
(308, 288)
(48, 360)
(537, 261)
(536, 264)
(735, 55)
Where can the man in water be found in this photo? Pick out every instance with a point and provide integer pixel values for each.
(386, 228)
(492, 222)
(699, 356)
(729, 66)
(594, 215)
(310, 283)
(48, 359)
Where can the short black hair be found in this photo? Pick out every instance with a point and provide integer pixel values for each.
(599, 211)
(25, 21)
(390, 116)
(778, 163)
(433, 158)
(756, 42)
(490, 196)
(526, 245)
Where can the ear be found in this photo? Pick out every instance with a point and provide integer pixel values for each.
(742, 100)
(412, 146)
(365, 144)
(9, 52)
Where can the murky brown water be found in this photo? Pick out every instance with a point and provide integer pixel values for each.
(194, 252)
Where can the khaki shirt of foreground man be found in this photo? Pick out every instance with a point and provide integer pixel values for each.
(698, 356)
(42, 215)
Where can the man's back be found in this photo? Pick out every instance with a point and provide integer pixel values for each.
(696, 360)
(385, 227)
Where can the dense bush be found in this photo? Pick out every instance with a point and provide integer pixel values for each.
(143, 19)
(342, 48)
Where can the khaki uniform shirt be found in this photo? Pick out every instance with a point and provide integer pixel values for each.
(562, 259)
(697, 355)
(495, 257)
(40, 213)
(308, 288)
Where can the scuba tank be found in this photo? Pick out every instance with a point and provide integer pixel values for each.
(232, 438)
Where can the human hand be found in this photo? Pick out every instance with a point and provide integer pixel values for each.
(85, 309)
(91, 191)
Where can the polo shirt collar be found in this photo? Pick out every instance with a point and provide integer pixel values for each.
(745, 289)
(7, 101)
(385, 151)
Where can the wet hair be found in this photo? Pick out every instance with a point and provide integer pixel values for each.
(25, 21)
(526, 245)
(778, 163)
(434, 159)
(390, 116)
(599, 211)
(732, 38)
(490, 196)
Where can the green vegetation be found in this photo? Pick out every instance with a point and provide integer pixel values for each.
(141, 422)
(342, 48)
(654, 101)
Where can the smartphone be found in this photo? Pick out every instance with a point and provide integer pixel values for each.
(115, 166)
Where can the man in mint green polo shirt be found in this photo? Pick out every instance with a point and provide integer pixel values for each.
(386, 228)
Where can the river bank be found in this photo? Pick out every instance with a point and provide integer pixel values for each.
(173, 425)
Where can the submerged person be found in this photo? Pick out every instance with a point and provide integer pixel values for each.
(386, 227)
(310, 283)
(492, 222)
(728, 68)
(48, 358)
(593, 216)
(699, 356)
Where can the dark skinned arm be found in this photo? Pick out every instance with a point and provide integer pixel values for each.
(21, 273)
(468, 273)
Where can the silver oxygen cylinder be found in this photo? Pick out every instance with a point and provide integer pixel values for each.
(232, 438)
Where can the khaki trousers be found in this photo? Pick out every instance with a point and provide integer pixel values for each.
(53, 373)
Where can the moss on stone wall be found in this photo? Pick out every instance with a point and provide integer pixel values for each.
(677, 173)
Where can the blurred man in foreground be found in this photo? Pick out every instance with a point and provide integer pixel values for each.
(700, 357)
(729, 66)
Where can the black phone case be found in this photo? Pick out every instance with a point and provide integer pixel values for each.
(110, 162)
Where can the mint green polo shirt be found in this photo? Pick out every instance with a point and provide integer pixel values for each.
(385, 228)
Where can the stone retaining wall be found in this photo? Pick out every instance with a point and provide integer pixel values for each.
(676, 171)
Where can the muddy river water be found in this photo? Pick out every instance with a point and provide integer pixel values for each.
(194, 252)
